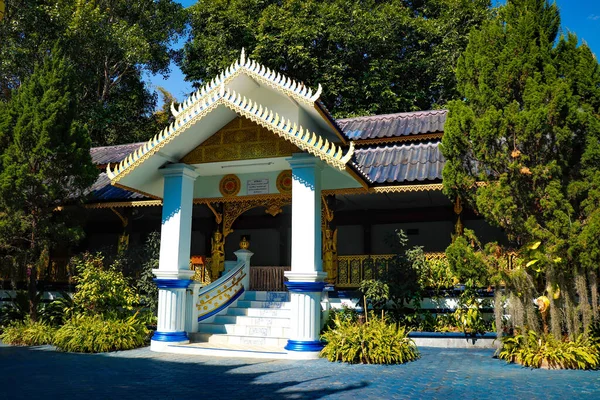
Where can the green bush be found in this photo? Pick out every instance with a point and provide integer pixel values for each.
(27, 333)
(101, 290)
(58, 311)
(536, 351)
(97, 334)
(345, 314)
(374, 342)
(17, 309)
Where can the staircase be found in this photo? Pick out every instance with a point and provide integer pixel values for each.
(256, 325)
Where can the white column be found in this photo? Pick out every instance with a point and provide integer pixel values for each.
(305, 280)
(173, 273)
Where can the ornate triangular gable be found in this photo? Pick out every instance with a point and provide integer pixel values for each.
(213, 107)
(241, 139)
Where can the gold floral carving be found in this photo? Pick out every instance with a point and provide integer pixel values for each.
(232, 210)
(241, 139)
(230, 185)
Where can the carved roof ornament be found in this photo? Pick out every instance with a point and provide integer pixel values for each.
(290, 87)
(302, 138)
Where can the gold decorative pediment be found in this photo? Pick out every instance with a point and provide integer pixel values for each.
(241, 139)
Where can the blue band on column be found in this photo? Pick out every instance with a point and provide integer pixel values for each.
(299, 345)
(170, 336)
(172, 283)
(311, 287)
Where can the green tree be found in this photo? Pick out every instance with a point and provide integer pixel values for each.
(111, 43)
(528, 128)
(371, 56)
(45, 164)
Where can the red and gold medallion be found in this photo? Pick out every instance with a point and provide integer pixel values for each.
(284, 181)
(229, 185)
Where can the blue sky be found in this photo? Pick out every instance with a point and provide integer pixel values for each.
(581, 17)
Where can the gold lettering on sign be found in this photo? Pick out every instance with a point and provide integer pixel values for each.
(241, 139)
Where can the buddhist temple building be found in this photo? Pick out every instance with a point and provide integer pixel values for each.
(262, 200)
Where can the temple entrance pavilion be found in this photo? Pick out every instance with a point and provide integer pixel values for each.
(254, 153)
(249, 132)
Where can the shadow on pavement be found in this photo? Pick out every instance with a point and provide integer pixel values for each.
(35, 372)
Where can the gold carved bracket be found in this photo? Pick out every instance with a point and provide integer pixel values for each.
(232, 210)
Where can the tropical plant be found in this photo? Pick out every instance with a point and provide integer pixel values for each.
(534, 350)
(145, 283)
(375, 293)
(468, 315)
(17, 309)
(28, 333)
(101, 290)
(58, 311)
(374, 342)
(345, 314)
(97, 334)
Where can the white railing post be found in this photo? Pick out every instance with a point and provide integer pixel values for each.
(191, 321)
(244, 255)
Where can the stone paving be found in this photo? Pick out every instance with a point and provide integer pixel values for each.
(41, 372)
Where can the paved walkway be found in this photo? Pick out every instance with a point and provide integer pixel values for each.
(41, 372)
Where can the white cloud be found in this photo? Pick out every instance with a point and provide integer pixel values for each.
(594, 17)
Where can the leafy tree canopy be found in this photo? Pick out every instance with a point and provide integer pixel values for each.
(45, 162)
(111, 44)
(370, 56)
(528, 127)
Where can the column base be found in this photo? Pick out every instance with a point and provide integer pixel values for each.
(178, 336)
(304, 350)
(161, 340)
(301, 345)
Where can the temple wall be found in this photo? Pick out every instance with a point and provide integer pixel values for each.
(433, 236)
(264, 243)
(350, 240)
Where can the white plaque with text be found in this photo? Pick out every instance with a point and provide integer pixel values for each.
(258, 186)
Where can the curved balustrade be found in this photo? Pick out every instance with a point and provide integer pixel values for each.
(221, 293)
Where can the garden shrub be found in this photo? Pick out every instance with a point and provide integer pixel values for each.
(97, 334)
(374, 342)
(28, 333)
(345, 314)
(536, 351)
(101, 290)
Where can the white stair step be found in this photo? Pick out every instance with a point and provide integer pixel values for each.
(263, 304)
(231, 350)
(259, 312)
(245, 330)
(267, 296)
(257, 321)
(247, 340)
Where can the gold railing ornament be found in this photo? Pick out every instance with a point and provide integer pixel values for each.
(244, 244)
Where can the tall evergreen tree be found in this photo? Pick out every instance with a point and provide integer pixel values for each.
(45, 165)
(528, 127)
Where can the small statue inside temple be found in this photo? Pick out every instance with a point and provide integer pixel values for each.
(330, 255)
(217, 255)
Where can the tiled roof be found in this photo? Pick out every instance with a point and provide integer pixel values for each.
(392, 164)
(102, 190)
(393, 125)
(401, 164)
(112, 154)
